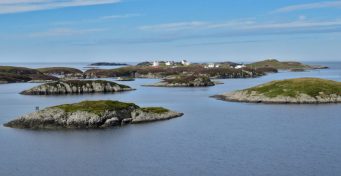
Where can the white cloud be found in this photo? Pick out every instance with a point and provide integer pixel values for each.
(58, 32)
(240, 25)
(16, 6)
(316, 5)
(174, 26)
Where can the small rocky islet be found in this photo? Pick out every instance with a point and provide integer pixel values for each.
(289, 91)
(91, 115)
(184, 81)
(76, 87)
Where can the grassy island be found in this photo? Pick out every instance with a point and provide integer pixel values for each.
(273, 63)
(91, 114)
(297, 91)
(294, 87)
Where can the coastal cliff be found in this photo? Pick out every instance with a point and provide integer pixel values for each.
(290, 91)
(76, 87)
(91, 114)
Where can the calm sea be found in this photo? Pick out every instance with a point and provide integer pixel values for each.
(212, 138)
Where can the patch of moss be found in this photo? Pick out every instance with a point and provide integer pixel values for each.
(293, 87)
(97, 107)
(157, 110)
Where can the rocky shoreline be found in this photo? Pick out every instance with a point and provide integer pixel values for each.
(76, 87)
(91, 115)
(246, 97)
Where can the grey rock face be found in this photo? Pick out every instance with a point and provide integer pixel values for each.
(253, 97)
(139, 116)
(76, 87)
(56, 118)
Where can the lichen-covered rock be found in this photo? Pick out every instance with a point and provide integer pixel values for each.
(76, 87)
(90, 114)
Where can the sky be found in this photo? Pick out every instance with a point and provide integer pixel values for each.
(196, 30)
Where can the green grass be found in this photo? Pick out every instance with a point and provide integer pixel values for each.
(157, 110)
(293, 87)
(97, 107)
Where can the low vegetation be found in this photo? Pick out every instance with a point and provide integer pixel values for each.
(60, 70)
(273, 63)
(293, 87)
(186, 79)
(97, 107)
(11, 74)
(156, 110)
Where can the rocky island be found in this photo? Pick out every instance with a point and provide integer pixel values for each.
(76, 87)
(290, 91)
(184, 81)
(9, 74)
(62, 72)
(91, 114)
(166, 71)
(284, 65)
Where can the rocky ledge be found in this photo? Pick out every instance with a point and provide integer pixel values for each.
(76, 87)
(91, 114)
(184, 81)
(291, 91)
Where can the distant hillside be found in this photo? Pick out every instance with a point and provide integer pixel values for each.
(273, 63)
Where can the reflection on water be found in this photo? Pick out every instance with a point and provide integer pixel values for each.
(212, 138)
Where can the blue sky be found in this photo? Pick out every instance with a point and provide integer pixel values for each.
(197, 30)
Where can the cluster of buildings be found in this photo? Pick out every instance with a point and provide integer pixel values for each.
(171, 63)
(213, 65)
(186, 63)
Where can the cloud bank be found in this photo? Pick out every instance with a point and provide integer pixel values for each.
(17, 6)
(308, 6)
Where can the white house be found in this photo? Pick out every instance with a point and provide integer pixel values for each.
(239, 66)
(185, 62)
(169, 63)
(211, 65)
(156, 63)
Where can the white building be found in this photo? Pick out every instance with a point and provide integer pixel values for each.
(156, 63)
(185, 62)
(239, 66)
(169, 63)
(212, 65)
